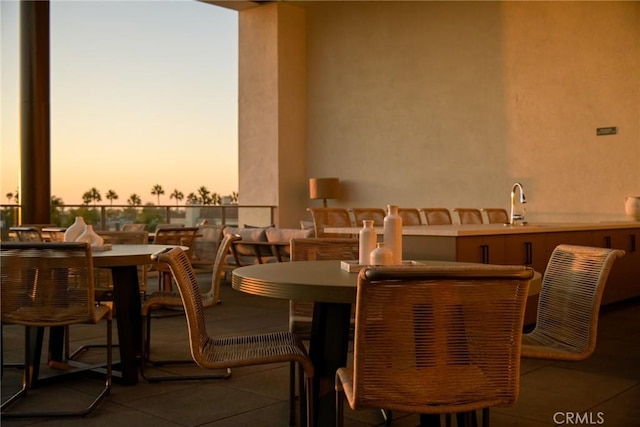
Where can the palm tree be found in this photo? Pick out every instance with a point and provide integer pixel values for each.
(56, 201)
(134, 200)
(111, 196)
(234, 197)
(9, 196)
(176, 195)
(192, 199)
(86, 197)
(157, 190)
(93, 195)
(204, 194)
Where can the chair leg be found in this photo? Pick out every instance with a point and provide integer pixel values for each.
(339, 408)
(292, 393)
(309, 399)
(304, 391)
(146, 351)
(386, 414)
(430, 420)
(467, 419)
(485, 417)
(27, 382)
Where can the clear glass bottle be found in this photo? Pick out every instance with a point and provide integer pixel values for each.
(368, 239)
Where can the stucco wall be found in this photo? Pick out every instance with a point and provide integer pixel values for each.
(449, 103)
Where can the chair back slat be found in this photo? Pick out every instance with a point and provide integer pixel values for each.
(437, 216)
(569, 302)
(47, 284)
(469, 215)
(376, 214)
(330, 217)
(496, 215)
(438, 339)
(410, 216)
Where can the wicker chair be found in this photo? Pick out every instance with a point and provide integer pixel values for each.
(232, 352)
(49, 285)
(133, 227)
(469, 216)
(164, 299)
(301, 312)
(104, 281)
(205, 245)
(437, 216)
(103, 275)
(167, 234)
(27, 234)
(436, 340)
(496, 215)
(410, 216)
(54, 234)
(376, 214)
(330, 217)
(569, 303)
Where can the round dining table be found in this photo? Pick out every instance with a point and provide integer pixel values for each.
(123, 261)
(333, 291)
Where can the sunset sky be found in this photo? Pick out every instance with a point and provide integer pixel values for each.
(143, 92)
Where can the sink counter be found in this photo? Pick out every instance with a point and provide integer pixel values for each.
(529, 245)
(457, 230)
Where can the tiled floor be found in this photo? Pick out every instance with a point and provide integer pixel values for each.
(603, 390)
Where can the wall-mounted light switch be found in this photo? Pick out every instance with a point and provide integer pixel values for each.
(607, 131)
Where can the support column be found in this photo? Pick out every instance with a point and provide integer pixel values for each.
(35, 147)
(272, 111)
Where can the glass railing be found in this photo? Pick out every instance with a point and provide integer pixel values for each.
(113, 217)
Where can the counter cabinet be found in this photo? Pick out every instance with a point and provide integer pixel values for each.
(534, 250)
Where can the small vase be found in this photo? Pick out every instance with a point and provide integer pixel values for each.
(368, 238)
(393, 233)
(381, 255)
(75, 230)
(91, 237)
(632, 207)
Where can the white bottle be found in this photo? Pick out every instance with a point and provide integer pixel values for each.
(368, 239)
(381, 255)
(75, 230)
(393, 233)
(90, 236)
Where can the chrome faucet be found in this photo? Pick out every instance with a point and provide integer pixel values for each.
(513, 216)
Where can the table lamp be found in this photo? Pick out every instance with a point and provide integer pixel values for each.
(324, 188)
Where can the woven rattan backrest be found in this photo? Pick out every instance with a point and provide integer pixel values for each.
(329, 217)
(133, 227)
(442, 336)
(469, 215)
(410, 216)
(437, 216)
(571, 294)
(46, 284)
(27, 234)
(139, 237)
(183, 236)
(218, 265)
(187, 282)
(325, 248)
(175, 235)
(321, 249)
(497, 215)
(376, 214)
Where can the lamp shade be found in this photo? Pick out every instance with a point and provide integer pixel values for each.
(324, 188)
